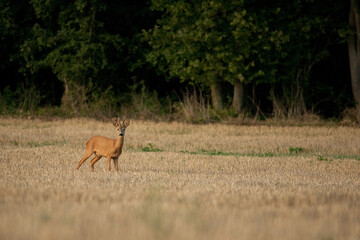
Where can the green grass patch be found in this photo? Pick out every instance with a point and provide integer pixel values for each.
(296, 150)
(341, 157)
(14, 142)
(267, 154)
(40, 144)
(34, 144)
(293, 152)
(214, 152)
(323, 158)
(150, 148)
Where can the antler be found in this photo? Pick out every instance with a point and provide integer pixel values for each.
(126, 123)
(117, 122)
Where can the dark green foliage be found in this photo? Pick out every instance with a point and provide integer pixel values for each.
(95, 58)
(313, 28)
(68, 38)
(209, 41)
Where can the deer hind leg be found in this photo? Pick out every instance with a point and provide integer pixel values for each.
(116, 164)
(86, 156)
(94, 160)
(108, 164)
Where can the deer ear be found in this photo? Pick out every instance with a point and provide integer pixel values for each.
(115, 122)
(127, 123)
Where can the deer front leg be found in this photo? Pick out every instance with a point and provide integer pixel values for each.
(116, 164)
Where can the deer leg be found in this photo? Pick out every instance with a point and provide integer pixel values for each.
(86, 156)
(116, 164)
(94, 160)
(108, 164)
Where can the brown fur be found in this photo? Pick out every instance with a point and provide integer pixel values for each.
(106, 147)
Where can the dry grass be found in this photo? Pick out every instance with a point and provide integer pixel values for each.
(252, 187)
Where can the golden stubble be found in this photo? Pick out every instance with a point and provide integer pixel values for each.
(178, 192)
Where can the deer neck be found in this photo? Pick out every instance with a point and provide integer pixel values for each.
(119, 142)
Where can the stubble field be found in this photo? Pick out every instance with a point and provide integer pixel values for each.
(179, 181)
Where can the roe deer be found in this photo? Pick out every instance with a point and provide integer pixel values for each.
(106, 147)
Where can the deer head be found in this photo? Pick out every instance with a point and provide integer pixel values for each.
(120, 126)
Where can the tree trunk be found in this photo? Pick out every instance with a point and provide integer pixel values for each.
(238, 96)
(92, 24)
(66, 99)
(216, 96)
(354, 54)
(74, 98)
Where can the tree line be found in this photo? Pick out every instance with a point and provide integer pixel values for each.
(282, 59)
